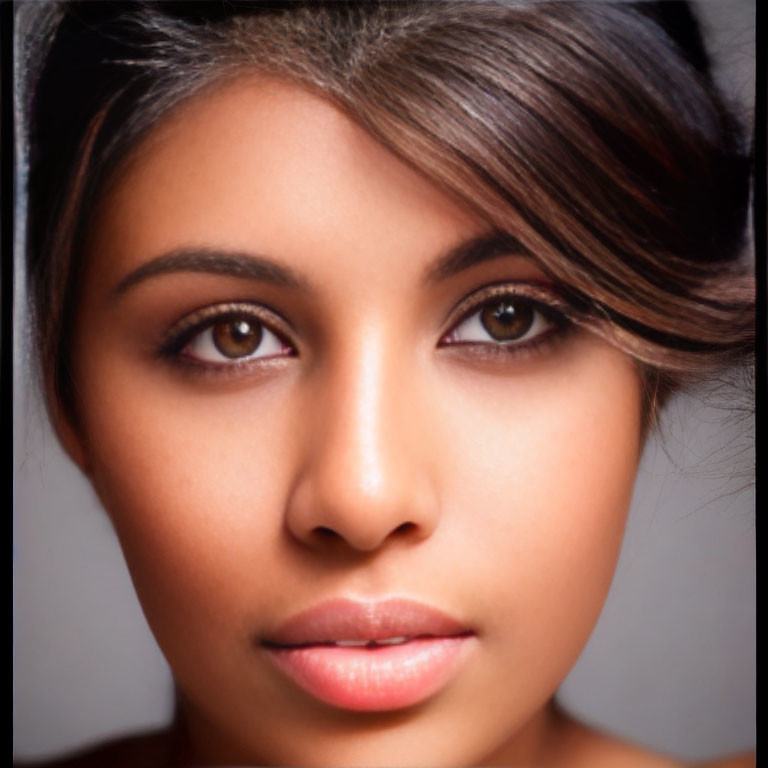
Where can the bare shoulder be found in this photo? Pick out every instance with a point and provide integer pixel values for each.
(146, 750)
(745, 760)
(580, 746)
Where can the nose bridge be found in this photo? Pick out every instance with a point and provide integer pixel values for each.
(365, 410)
(362, 481)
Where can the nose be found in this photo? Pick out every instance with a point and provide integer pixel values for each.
(365, 479)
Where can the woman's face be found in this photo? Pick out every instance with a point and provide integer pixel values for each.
(369, 485)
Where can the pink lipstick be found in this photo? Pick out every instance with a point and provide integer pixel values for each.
(369, 656)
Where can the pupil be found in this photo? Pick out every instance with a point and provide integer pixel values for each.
(240, 330)
(508, 319)
(237, 338)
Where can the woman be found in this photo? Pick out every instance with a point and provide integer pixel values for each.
(356, 318)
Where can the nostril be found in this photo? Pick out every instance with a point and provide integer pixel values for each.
(326, 532)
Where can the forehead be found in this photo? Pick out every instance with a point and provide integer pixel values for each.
(260, 163)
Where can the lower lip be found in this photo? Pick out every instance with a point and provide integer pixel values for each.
(374, 679)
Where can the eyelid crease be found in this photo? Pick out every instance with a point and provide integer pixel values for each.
(541, 294)
(181, 332)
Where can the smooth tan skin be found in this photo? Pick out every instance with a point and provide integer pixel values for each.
(494, 488)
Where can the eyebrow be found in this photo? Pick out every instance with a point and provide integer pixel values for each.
(216, 262)
(492, 245)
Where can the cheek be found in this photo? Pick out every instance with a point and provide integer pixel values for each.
(194, 485)
(548, 465)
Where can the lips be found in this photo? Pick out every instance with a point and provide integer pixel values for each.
(370, 656)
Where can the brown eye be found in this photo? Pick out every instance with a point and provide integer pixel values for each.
(505, 320)
(237, 338)
(508, 318)
(234, 338)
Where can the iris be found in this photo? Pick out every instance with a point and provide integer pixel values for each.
(507, 319)
(237, 338)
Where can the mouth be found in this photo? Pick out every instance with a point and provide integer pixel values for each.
(370, 656)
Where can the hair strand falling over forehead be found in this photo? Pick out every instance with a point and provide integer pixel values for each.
(590, 133)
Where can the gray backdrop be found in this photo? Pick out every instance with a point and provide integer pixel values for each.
(671, 664)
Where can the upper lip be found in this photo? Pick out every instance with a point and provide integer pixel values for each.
(344, 619)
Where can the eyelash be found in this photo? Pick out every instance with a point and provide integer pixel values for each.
(542, 303)
(199, 328)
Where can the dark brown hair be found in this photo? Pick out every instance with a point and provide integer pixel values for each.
(590, 134)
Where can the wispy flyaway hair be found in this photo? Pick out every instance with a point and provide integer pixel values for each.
(590, 135)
